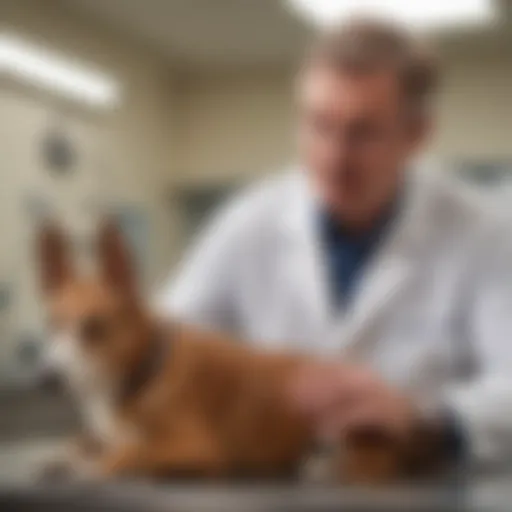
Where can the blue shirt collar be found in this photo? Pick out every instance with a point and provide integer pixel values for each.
(332, 231)
(346, 253)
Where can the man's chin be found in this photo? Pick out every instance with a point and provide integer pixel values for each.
(348, 204)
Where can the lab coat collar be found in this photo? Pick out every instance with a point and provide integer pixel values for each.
(410, 224)
(388, 271)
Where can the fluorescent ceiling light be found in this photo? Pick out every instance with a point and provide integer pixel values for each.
(426, 14)
(47, 69)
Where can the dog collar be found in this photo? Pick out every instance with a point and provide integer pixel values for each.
(154, 359)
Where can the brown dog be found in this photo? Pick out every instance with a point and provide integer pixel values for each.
(171, 400)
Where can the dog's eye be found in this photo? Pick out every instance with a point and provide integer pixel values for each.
(93, 328)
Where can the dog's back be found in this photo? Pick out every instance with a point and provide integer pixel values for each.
(234, 395)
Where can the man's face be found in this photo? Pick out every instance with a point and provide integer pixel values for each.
(355, 139)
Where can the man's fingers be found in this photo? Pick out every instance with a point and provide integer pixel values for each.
(319, 390)
(316, 389)
(389, 417)
(340, 399)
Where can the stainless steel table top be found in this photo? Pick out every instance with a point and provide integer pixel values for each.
(493, 493)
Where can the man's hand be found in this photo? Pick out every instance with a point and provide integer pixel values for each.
(342, 399)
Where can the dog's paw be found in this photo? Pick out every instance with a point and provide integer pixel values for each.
(56, 470)
(67, 469)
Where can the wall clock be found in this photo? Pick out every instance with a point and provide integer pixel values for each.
(59, 152)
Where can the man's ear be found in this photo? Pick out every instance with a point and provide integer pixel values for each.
(114, 258)
(54, 257)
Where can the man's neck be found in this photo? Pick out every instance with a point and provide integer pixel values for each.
(357, 224)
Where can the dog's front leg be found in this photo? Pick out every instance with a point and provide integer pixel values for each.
(191, 452)
(71, 458)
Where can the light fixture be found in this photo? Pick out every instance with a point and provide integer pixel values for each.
(50, 70)
(423, 14)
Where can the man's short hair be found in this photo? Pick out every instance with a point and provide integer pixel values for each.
(365, 46)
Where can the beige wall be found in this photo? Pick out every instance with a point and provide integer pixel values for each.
(476, 108)
(244, 125)
(175, 130)
(124, 156)
(134, 143)
(235, 126)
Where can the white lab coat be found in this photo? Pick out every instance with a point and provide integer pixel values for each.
(432, 313)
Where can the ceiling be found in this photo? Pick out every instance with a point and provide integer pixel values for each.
(206, 32)
(215, 33)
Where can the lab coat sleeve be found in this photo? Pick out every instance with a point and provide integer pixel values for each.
(203, 290)
(484, 403)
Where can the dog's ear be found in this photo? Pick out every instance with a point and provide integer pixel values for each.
(115, 259)
(54, 257)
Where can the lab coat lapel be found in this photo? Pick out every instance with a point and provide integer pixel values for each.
(303, 262)
(385, 279)
(389, 272)
(387, 276)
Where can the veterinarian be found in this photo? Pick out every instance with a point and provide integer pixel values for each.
(359, 256)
